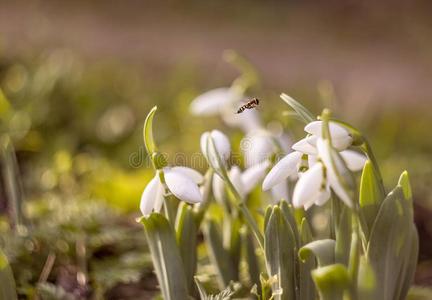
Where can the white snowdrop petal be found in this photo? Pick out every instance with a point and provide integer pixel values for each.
(193, 174)
(305, 147)
(323, 197)
(280, 192)
(308, 186)
(159, 198)
(235, 176)
(218, 189)
(354, 160)
(251, 176)
(336, 130)
(149, 196)
(284, 168)
(182, 187)
(341, 143)
(324, 153)
(210, 102)
(222, 144)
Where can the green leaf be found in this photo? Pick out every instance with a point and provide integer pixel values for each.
(235, 243)
(404, 182)
(280, 250)
(302, 111)
(148, 132)
(343, 237)
(331, 281)
(366, 281)
(186, 229)
(323, 250)
(307, 288)
(393, 246)
(288, 213)
(7, 282)
(166, 257)
(371, 196)
(251, 257)
(218, 255)
(406, 275)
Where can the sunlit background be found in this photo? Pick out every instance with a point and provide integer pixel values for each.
(78, 78)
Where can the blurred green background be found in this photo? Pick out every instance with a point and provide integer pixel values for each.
(78, 79)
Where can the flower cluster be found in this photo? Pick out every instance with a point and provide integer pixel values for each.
(318, 165)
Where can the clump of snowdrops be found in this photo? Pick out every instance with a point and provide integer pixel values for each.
(324, 228)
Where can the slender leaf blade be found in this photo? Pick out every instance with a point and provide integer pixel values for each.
(166, 257)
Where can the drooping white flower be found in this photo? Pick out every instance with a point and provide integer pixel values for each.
(311, 188)
(286, 167)
(221, 143)
(340, 137)
(225, 102)
(182, 182)
(211, 102)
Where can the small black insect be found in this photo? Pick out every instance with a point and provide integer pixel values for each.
(254, 102)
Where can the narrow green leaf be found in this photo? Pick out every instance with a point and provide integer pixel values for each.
(323, 250)
(371, 196)
(279, 248)
(343, 237)
(234, 244)
(307, 288)
(218, 255)
(406, 275)
(331, 281)
(366, 281)
(393, 246)
(186, 229)
(267, 215)
(251, 257)
(404, 182)
(288, 213)
(7, 282)
(302, 111)
(166, 257)
(148, 132)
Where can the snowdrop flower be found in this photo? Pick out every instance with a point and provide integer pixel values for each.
(311, 188)
(182, 182)
(340, 137)
(286, 167)
(244, 182)
(222, 145)
(224, 102)
(314, 185)
(211, 103)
